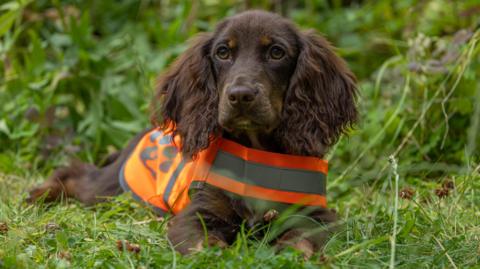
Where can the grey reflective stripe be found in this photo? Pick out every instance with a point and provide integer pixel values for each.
(172, 181)
(283, 179)
(256, 204)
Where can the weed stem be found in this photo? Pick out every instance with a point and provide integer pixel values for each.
(394, 164)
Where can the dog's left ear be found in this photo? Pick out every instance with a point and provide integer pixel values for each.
(320, 103)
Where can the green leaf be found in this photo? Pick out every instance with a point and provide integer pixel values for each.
(4, 127)
(6, 21)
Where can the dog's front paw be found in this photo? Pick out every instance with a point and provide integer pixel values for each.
(306, 247)
(295, 240)
(212, 241)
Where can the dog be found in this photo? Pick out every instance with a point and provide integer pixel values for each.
(257, 82)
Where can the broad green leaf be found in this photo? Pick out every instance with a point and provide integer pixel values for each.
(6, 21)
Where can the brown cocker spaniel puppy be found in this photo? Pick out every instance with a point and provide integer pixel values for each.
(257, 80)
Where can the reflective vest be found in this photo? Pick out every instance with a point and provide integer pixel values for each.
(157, 173)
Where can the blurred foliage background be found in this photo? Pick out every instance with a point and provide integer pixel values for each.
(76, 78)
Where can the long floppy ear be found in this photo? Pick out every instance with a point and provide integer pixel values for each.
(320, 103)
(186, 98)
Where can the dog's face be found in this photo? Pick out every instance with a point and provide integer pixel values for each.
(253, 58)
(258, 76)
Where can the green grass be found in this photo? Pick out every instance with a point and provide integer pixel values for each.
(431, 232)
(76, 78)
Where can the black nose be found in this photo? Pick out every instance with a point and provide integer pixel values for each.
(241, 95)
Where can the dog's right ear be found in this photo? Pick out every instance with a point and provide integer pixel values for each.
(186, 100)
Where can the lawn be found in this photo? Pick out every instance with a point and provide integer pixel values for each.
(76, 78)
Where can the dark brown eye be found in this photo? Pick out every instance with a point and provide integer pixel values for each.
(223, 52)
(276, 53)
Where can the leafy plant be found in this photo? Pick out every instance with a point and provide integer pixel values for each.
(76, 78)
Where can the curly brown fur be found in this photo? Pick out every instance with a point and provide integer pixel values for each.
(211, 208)
(258, 80)
(62, 183)
(313, 93)
(188, 98)
(320, 104)
(303, 115)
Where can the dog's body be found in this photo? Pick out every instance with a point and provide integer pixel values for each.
(256, 80)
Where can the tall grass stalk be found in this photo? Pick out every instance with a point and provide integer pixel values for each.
(393, 239)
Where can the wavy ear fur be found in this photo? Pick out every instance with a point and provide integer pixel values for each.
(186, 98)
(320, 103)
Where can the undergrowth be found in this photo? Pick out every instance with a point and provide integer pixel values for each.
(76, 78)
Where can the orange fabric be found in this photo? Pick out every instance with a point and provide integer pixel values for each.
(157, 173)
(264, 193)
(275, 159)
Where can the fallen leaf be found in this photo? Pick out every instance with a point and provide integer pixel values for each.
(407, 193)
(3, 228)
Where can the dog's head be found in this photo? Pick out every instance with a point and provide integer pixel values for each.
(258, 76)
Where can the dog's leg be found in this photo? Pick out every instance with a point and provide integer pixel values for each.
(309, 239)
(209, 220)
(85, 182)
(81, 181)
(62, 183)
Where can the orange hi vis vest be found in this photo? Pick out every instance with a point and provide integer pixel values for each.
(157, 174)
